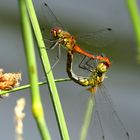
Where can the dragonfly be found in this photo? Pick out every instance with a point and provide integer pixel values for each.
(61, 37)
(93, 82)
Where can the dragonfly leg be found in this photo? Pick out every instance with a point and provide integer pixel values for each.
(50, 40)
(57, 58)
(84, 66)
(56, 43)
(89, 64)
(81, 64)
(53, 45)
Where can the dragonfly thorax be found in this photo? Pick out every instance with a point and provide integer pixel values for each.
(64, 38)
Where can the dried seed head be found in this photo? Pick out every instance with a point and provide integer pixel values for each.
(19, 116)
(9, 80)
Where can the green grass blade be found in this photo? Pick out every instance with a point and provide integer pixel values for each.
(52, 87)
(135, 17)
(88, 117)
(32, 70)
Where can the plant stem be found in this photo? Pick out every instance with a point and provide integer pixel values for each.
(28, 86)
(37, 109)
(135, 17)
(52, 87)
(88, 117)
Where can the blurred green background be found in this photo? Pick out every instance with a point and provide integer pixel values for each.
(78, 16)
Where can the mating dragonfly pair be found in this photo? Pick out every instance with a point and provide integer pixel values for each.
(59, 37)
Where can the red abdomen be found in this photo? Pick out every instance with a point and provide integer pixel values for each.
(77, 49)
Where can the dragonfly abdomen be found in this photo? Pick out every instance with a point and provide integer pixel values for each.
(77, 49)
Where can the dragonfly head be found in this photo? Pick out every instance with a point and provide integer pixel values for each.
(105, 60)
(102, 67)
(56, 32)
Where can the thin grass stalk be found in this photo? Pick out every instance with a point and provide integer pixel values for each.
(37, 109)
(28, 86)
(52, 87)
(135, 17)
(87, 118)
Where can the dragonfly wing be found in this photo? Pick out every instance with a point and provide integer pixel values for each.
(111, 123)
(98, 39)
(98, 132)
(51, 20)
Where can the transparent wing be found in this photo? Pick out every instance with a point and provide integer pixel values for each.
(98, 39)
(110, 122)
(98, 131)
(51, 20)
(89, 35)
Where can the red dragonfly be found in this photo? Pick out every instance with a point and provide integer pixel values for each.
(60, 37)
(94, 81)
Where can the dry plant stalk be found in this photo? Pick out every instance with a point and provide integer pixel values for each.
(18, 118)
(9, 80)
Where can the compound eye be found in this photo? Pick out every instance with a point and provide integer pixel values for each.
(102, 68)
(59, 31)
(53, 32)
